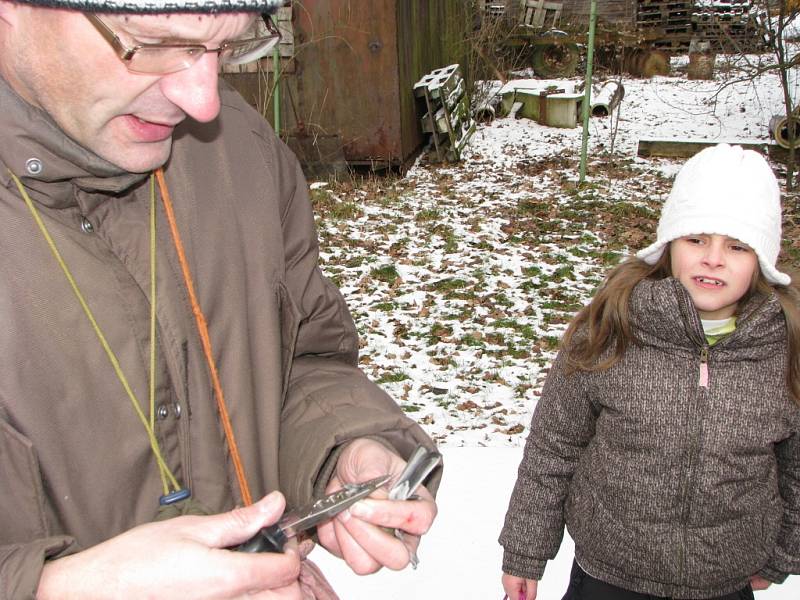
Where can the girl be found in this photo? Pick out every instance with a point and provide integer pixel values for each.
(667, 437)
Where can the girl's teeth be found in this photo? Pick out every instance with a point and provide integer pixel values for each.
(704, 280)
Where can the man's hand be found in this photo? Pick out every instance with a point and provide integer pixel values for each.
(359, 535)
(517, 588)
(185, 557)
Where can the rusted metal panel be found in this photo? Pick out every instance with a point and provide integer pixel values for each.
(346, 78)
(356, 64)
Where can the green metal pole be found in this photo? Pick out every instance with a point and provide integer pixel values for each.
(276, 91)
(587, 94)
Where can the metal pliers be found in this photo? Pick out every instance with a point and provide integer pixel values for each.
(274, 537)
(419, 466)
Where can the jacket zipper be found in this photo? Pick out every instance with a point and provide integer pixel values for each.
(693, 452)
(703, 381)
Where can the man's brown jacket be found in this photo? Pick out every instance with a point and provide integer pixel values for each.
(75, 464)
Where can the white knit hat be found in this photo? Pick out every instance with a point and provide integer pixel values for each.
(728, 191)
(164, 6)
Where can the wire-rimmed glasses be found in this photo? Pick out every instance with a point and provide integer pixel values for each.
(162, 59)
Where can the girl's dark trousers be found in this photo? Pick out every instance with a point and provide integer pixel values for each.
(583, 586)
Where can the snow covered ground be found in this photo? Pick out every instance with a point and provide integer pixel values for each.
(461, 279)
(460, 558)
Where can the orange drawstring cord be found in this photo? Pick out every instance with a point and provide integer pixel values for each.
(202, 329)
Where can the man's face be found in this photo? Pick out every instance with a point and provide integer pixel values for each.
(58, 61)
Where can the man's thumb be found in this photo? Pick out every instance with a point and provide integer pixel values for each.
(240, 524)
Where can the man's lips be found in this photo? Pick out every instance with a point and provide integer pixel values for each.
(149, 131)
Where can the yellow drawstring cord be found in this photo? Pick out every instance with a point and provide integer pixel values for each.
(167, 478)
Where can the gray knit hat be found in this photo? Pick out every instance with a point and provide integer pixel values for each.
(164, 6)
(728, 191)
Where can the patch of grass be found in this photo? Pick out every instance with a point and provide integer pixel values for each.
(437, 332)
(530, 285)
(610, 257)
(502, 299)
(626, 210)
(532, 271)
(550, 342)
(354, 261)
(392, 377)
(563, 272)
(517, 353)
(496, 338)
(447, 284)
(385, 273)
(579, 252)
(385, 306)
(410, 408)
(428, 214)
(471, 340)
(526, 331)
(448, 235)
(329, 206)
(389, 197)
(533, 207)
(556, 318)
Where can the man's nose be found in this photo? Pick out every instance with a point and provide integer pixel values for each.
(194, 90)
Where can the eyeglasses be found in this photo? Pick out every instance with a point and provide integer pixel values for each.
(162, 59)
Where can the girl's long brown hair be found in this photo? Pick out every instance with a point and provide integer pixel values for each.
(605, 329)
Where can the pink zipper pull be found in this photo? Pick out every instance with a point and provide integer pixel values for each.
(703, 383)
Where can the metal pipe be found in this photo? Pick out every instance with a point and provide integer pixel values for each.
(276, 93)
(607, 98)
(587, 98)
(779, 130)
(514, 112)
(486, 111)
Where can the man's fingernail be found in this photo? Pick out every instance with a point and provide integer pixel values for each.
(271, 501)
(362, 510)
(345, 515)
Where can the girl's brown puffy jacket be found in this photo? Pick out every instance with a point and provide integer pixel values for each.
(667, 487)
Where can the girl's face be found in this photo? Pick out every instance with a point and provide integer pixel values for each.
(716, 269)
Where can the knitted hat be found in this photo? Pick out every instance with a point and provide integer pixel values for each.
(164, 6)
(728, 191)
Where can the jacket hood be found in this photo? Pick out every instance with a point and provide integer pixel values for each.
(662, 314)
(48, 161)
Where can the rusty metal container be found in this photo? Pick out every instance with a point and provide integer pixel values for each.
(350, 98)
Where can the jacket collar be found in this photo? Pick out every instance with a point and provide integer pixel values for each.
(662, 313)
(31, 139)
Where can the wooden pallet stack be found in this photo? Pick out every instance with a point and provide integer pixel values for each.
(492, 9)
(447, 117)
(673, 18)
(727, 25)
